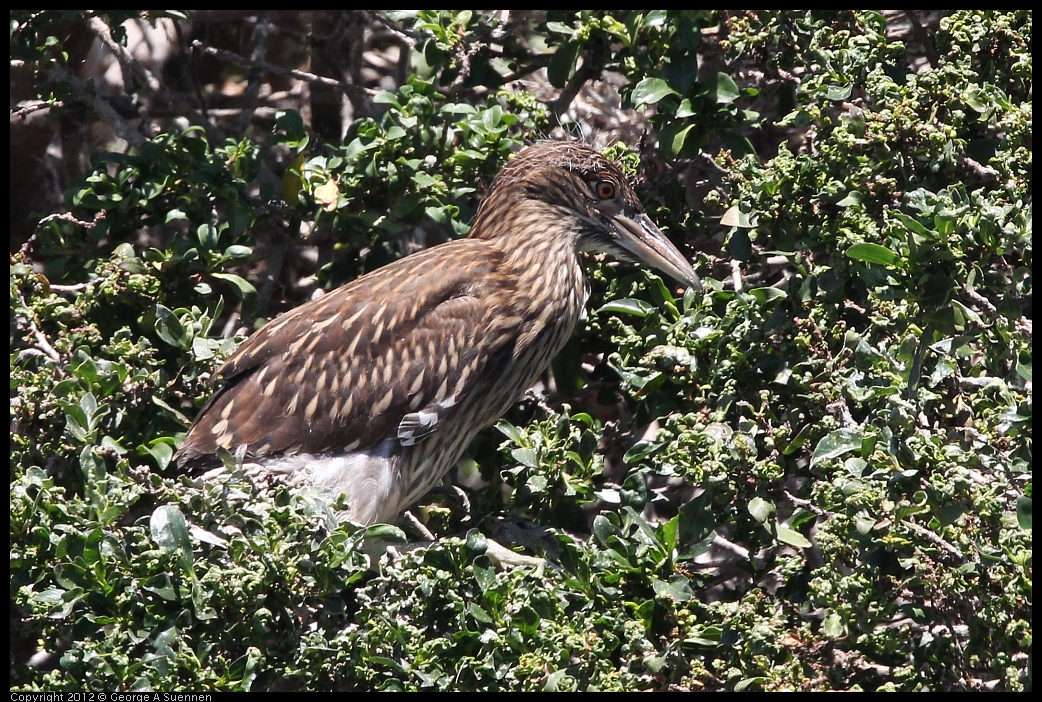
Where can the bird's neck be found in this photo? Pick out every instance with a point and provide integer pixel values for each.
(541, 254)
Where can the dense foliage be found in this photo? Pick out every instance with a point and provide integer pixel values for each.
(813, 475)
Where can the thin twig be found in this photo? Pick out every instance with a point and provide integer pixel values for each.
(528, 69)
(132, 67)
(28, 107)
(82, 92)
(256, 77)
(128, 65)
(419, 526)
(70, 288)
(807, 505)
(978, 168)
(924, 37)
(41, 339)
(842, 412)
(736, 275)
(585, 73)
(937, 541)
(200, 96)
(464, 66)
(984, 302)
(27, 247)
(1024, 327)
(232, 57)
(412, 37)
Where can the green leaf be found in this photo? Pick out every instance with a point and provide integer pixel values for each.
(207, 235)
(1024, 512)
(838, 92)
(706, 636)
(740, 244)
(833, 626)
(637, 308)
(239, 217)
(836, 444)
(641, 450)
(527, 621)
(169, 529)
(852, 198)
(562, 64)
(760, 509)
(741, 685)
(976, 99)
(161, 450)
(236, 252)
(603, 529)
(964, 314)
(291, 123)
(172, 410)
(650, 90)
(734, 217)
(676, 144)
(656, 18)
(477, 544)
(386, 98)
(484, 575)
(244, 290)
(510, 431)
(677, 588)
(560, 28)
(797, 441)
(872, 253)
(554, 681)
(526, 457)
(913, 225)
(696, 520)
(792, 537)
(765, 295)
(723, 89)
(169, 328)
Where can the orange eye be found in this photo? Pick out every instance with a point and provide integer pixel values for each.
(605, 189)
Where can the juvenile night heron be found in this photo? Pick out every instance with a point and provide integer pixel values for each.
(377, 388)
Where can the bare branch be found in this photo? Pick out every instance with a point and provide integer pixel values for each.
(84, 93)
(937, 541)
(232, 57)
(41, 340)
(127, 63)
(255, 80)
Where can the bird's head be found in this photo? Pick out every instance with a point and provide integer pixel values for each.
(582, 189)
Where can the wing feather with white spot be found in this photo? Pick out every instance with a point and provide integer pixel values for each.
(389, 355)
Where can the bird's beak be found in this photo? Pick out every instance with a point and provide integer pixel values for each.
(643, 240)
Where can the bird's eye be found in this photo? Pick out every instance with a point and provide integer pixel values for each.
(605, 189)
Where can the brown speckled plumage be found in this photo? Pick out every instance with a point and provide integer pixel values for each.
(376, 388)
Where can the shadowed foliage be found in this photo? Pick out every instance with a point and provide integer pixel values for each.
(814, 474)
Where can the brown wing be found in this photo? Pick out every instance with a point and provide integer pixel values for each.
(387, 355)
